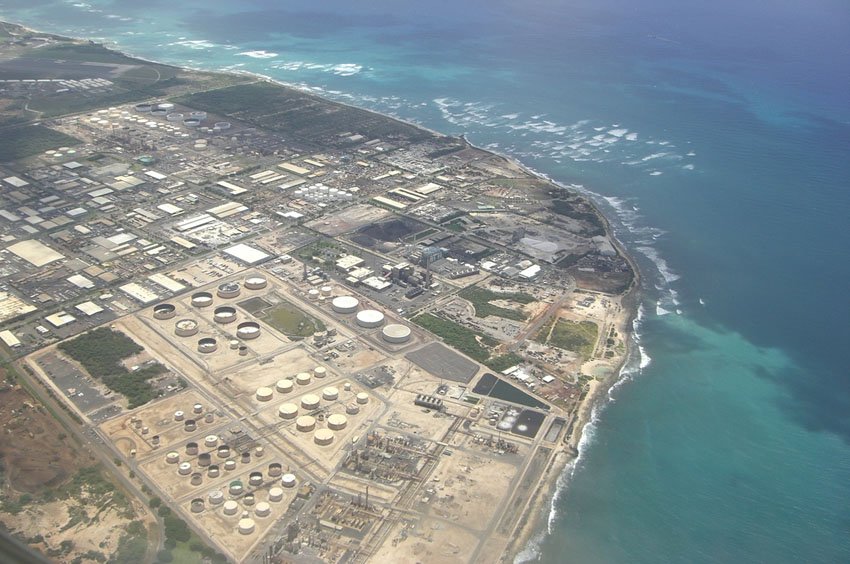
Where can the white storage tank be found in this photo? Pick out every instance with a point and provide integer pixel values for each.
(370, 318)
(345, 304)
(287, 411)
(264, 394)
(284, 386)
(396, 333)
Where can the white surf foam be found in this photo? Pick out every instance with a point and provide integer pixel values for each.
(260, 54)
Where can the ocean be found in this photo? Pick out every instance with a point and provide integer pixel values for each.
(716, 137)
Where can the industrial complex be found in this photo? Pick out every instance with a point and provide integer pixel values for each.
(348, 340)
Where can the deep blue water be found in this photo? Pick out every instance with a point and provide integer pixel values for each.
(721, 153)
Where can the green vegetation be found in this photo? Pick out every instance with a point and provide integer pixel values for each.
(503, 362)
(101, 351)
(26, 141)
(296, 113)
(471, 343)
(542, 334)
(132, 545)
(572, 336)
(481, 298)
(291, 321)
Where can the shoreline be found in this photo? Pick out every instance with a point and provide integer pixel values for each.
(567, 452)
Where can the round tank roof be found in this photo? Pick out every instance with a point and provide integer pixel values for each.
(330, 393)
(396, 333)
(370, 318)
(264, 393)
(310, 401)
(345, 304)
(337, 421)
(287, 410)
(324, 436)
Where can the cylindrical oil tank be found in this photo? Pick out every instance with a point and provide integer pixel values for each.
(288, 480)
(264, 394)
(196, 479)
(143, 108)
(221, 126)
(184, 469)
(246, 457)
(323, 437)
(320, 372)
(192, 448)
(337, 422)
(209, 417)
(213, 471)
(164, 311)
(259, 452)
(159, 112)
(275, 469)
(204, 459)
(236, 487)
(224, 314)
(207, 345)
(172, 457)
(284, 386)
(310, 402)
(345, 304)
(248, 330)
(228, 290)
(198, 408)
(313, 294)
(326, 291)
(191, 122)
(330, 393)
(223, 451)
(167, 106)
(305, 423)
(230, 465)
(178, 415)
(234, 344)
(347, 386)
(396, 333)
(198, 115)
(275, 494)
(216, 497)
(303, 378)
(197, 504)
(362, 398)
(174, 116)
(246, 526)
(370, 318)
(248, 499)
(189, 425)
(243, 350)
(256, 283)
(186, 328)
(210, 441)
(155, 440)
(202, 299)
(352, 409)
(255, 479)
(230, 507)
(287, 411)
(262, 509)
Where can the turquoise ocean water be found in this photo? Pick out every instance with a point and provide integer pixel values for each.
(716, 136)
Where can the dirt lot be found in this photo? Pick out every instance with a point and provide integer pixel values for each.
(46, 500)
(33, 450)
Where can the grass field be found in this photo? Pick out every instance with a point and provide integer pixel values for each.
(481, 298)
(572, 336)
(291, 321)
